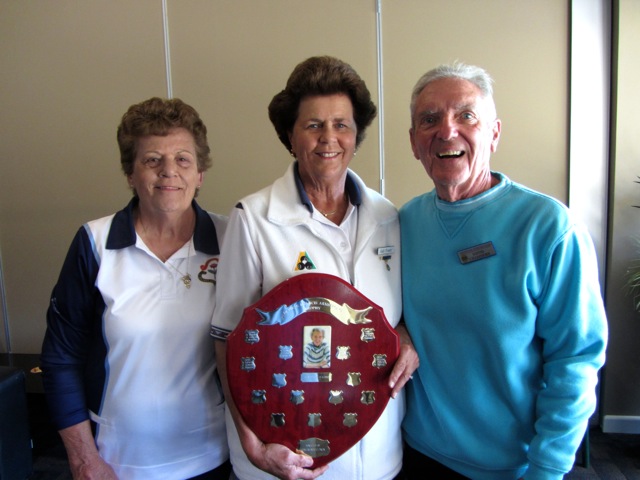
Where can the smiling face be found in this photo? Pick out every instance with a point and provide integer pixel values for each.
(324, 139)
(317, 337)
(454, 131)
(165, 172)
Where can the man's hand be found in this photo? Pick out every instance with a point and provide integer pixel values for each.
(406, 364)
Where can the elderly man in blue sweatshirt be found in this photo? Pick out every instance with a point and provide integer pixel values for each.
(501, 298)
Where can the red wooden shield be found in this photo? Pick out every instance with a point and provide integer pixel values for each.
(309, 365)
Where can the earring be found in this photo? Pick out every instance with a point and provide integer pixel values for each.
(292, 154)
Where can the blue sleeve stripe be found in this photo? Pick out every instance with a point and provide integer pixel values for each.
(219, 333)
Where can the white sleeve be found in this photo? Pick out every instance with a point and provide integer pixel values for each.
(239, 276)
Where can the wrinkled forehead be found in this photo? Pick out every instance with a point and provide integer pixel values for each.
(454, 95)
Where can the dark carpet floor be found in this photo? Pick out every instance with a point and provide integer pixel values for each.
(613, 456)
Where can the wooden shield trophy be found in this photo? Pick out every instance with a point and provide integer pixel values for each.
(309, 365)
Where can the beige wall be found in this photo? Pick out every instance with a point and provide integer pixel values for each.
(229, 58)
(69, 70)
(523, 44)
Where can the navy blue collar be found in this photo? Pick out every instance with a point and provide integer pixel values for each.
(123, 233)
(355, 197)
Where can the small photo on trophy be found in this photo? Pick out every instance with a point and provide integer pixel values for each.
(317, 350)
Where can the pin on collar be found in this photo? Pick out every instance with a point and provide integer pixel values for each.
(385, 254)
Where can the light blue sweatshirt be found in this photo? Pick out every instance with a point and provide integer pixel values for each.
(502, 301)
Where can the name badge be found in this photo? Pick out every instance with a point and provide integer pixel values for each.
(473, 254)
(382, 251)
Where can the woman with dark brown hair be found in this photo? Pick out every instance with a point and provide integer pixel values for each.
(319, 217)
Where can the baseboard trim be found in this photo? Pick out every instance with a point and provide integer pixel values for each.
(621, 424)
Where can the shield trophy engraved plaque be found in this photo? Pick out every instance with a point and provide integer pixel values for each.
(309, 365)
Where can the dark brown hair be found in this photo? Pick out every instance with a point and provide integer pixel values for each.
(321, 76)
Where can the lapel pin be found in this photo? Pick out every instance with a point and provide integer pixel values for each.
(385, 254)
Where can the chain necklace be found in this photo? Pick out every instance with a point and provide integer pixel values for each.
(185, 277)
(328, 214)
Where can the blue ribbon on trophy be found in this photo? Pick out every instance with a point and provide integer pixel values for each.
(286, 313)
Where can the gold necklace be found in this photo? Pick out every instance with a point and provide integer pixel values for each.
(185, 277)
(328, 214)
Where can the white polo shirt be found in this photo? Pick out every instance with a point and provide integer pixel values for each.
(125, 321)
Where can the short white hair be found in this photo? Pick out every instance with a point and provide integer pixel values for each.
(476, 75)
